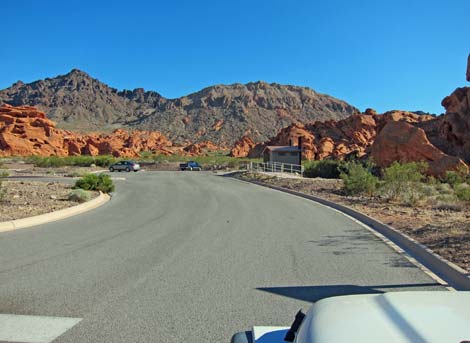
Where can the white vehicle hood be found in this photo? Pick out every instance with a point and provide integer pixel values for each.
(413, 317)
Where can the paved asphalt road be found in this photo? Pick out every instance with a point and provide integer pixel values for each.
(192, 257)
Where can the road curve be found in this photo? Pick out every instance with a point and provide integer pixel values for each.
(192, 257)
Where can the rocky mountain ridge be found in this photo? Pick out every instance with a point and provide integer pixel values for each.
(220, 113)
(443, 142)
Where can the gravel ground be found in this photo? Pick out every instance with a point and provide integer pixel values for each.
(26, 169)
(444, 229)
(30, 198)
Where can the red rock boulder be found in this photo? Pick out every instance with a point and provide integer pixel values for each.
(242, 147)
(403, 142)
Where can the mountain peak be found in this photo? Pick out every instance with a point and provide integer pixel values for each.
(219, 113)
(77, 73)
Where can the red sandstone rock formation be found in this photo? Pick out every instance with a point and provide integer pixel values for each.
(242, 147)
(394, 135)
(196, 149)
(443, 142)
(26, 131)
(403, 142)
(451, 132)
(337, 139)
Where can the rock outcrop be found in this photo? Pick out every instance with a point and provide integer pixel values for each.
(242, 147)
(220, 113)
(453, 130)
(197, 149)
(26, 131)
(403, 142)
(468, 68)
(443, 142)
(338, 139)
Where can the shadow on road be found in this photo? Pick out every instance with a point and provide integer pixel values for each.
(315, 293)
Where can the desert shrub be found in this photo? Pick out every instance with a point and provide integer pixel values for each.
(454, 178)
(79, 195)
(444, 188)
(428, 190)
(401, 178)
(359, 180)
(413, 196)
(462, 192)
(104, 160)
(79, 161)
(327, 169)
(3, 174)
(431, 180)
(145, 155)
(93, 182)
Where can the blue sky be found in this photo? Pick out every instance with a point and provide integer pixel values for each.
(390, 54)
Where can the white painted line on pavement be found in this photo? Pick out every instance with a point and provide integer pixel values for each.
(33, 329)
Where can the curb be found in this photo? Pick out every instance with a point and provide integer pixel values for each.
(452, 274)
(99, 171)
(54, 216)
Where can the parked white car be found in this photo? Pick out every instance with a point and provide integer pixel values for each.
(398, 317)
(124, 166)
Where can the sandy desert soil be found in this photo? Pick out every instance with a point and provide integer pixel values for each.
(29, 198)
(27, 169)
(445, 230)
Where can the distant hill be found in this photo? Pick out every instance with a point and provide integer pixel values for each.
(221, 113)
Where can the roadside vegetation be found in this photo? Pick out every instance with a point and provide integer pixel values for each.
(79, 161)
(326, 169)
(214, 160)
(406, 183)
(93, 182)
(79, 195)
(3, 175)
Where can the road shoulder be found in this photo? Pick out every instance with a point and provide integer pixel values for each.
(440, 269)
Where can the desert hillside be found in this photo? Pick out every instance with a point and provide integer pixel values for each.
(220, 113)
(442, 141)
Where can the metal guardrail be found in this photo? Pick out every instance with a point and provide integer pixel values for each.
(276, 167)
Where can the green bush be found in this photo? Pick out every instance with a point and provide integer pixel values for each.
(462, 192)
(146, 155)
(413, 196)
(93, 182)
(79, 195)
(454, 178)
(428, 190)
(79, 161)
(401, 178)
(359, 180)
(444, 188)
(327, 169)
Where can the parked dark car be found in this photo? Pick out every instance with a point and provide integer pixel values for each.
(124, 165)
(191, 165)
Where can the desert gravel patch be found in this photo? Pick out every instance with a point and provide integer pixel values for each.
(30, 198)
